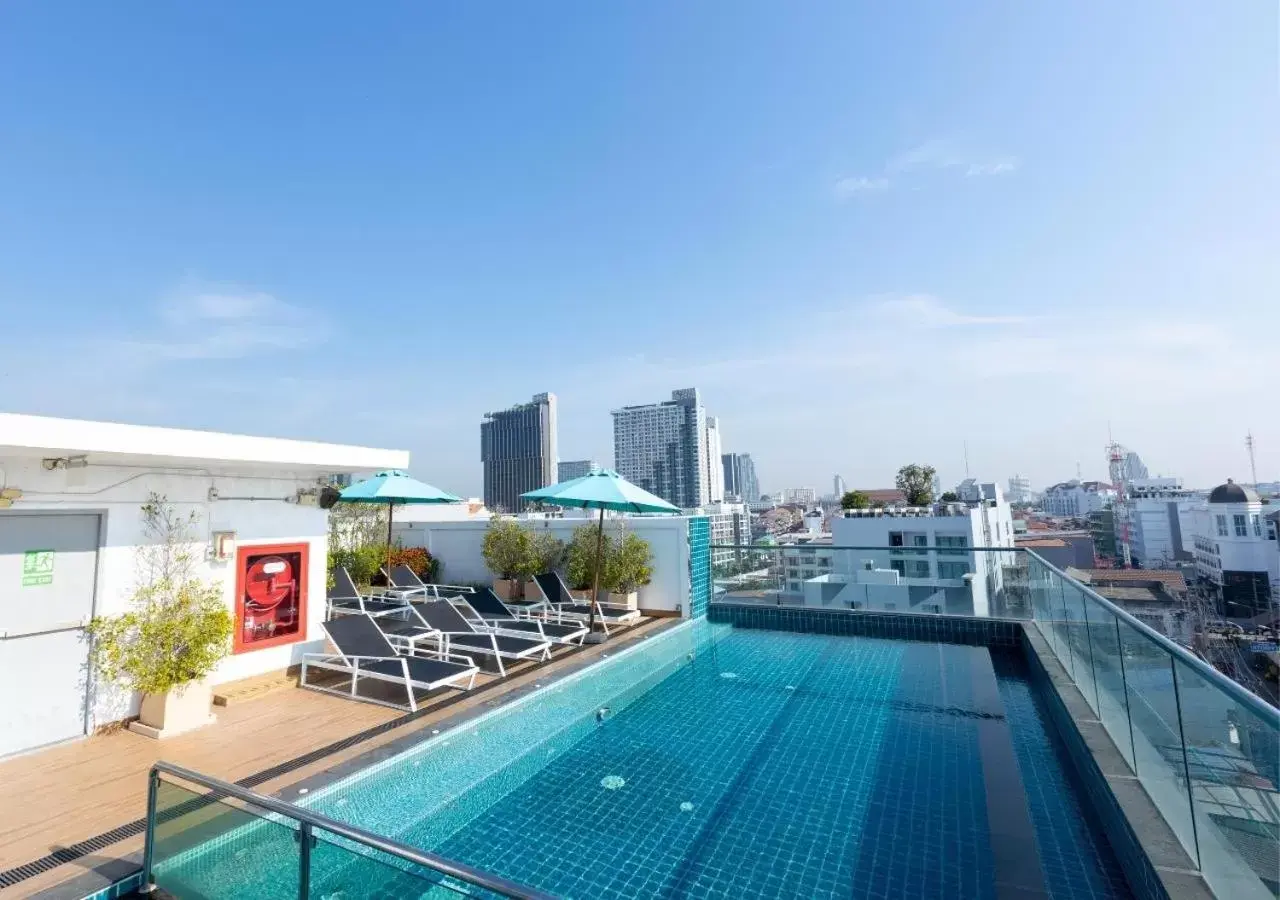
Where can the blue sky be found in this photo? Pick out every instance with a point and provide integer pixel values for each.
(870, 233)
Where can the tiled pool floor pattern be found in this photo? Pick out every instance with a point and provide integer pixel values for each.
(791, 765)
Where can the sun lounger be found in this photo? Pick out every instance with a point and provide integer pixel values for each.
(344, 598)
(363, 652)
(497, 616)
(457, 632)
(562, 604)
(406, 581)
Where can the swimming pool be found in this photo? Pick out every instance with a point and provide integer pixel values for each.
(720, 762)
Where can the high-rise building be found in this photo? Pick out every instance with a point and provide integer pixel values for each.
(662, 447)
(715, 470)
(804, 496)
(740, 477)
(838, 488)
(1019, 490)
(1154, 521)
(575, 468)
(518, 449)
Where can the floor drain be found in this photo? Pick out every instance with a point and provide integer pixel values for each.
(686, 806)
(728, 674)
(612, 782)
(791, 687)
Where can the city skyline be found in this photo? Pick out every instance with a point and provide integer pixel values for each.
(916, 253)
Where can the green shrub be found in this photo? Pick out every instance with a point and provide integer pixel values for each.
(626, 563)
(178, 627)
(580, 557)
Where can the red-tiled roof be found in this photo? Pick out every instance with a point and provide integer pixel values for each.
(1040, 542)
(884, 495)
(1170, 578)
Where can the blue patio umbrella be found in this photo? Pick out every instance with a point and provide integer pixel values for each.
(601, 490)
(392, 487)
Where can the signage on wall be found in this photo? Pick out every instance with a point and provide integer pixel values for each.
(37, 568)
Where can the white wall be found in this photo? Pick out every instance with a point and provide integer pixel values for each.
(458, 546)
(117, 493)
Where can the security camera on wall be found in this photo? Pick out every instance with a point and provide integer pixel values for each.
(329, 497)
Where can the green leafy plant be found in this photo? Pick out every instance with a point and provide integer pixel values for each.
(855, 500)
(548, 552)
(508, 552)
(627, 558)
(178, 626)
(916, 484)
(423, 564)
(949, 497)
(580, 558)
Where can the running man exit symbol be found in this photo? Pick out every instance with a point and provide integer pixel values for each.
(37, 568)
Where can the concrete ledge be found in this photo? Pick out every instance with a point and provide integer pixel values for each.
(1153, 859)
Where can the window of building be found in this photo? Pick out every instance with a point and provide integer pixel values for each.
(953, 569)
(952, 544)
(920, 540)
(1222, 525)
(1242, 526)
(895, 538)
(794, 586)
(917, 568)
(1257, 526)
(898, 565)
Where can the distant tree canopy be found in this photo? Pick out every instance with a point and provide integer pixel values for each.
(855, 500)
(950, 497)
(916, 483)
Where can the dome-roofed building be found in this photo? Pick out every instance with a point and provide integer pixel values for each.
(1236, 551)
(1233, 493)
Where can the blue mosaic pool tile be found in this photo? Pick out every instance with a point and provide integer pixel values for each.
(899, 626)
(699, 565)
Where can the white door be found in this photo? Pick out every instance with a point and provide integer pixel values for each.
(48, 567)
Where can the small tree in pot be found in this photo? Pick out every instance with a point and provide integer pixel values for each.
(509, 553)
(177, 629)
(626, 568)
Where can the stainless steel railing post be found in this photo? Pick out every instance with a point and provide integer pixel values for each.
(148, 885)
(304, 860)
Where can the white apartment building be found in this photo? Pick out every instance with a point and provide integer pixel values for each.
(1154, 523)
(803, 495)
(1235, 549)
(1076, 499)
(926, 561)
(730, 524)
(714, 463)
(803, 557)
(662, 447)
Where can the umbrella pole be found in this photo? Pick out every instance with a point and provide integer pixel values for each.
(391, 508)
(595, 588)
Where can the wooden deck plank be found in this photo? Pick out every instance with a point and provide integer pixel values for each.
(73, 793)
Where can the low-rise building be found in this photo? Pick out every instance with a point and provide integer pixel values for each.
(1235, 551)
(1076, 499)
(1153, 522)
(923, 559)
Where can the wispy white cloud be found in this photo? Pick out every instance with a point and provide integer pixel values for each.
(850, 187)
(932, 155)
(927, 311)
(199, 322)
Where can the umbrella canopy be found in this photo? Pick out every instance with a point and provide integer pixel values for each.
(392, 487)
(601, 490)
(605, 489)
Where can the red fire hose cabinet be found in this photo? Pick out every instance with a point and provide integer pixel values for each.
(271, 596)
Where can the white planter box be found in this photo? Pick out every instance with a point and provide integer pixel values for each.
(181, 710)
(630, 601)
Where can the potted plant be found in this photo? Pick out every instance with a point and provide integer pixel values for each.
(508, 552)
(174, 634)
(580, 560)
(626, 569)
(547, 553)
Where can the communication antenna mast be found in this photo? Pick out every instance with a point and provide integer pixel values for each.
(1253, 464)
(1116, 469)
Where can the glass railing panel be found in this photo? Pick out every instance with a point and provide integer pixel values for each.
(1078, 634)
(342, 868)
(211, 846)
(1158, 758)
(1233, 759)
(1112, 704)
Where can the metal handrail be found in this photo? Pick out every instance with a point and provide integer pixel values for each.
(308, 820)
(770, 548)
(1238, 693)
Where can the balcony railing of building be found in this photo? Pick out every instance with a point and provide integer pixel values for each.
(1205, 749)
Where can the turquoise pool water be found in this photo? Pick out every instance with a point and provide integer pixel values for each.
(731, 763)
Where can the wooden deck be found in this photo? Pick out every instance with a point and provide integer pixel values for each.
(78, 807)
